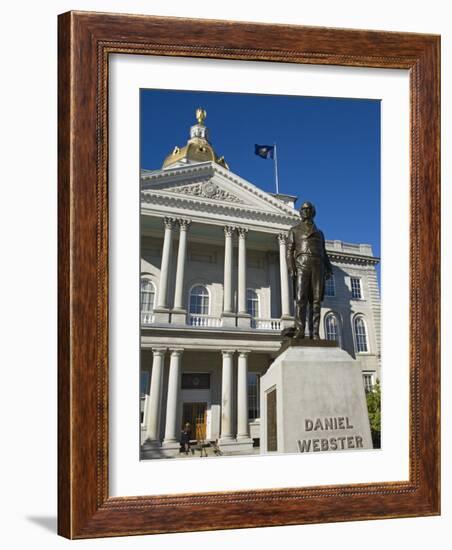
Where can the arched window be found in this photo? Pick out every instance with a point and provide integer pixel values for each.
(147, 295)
(359, 326)
(199, 300)
(252, 303)
(331, 327)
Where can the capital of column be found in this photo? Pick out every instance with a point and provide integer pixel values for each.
(159, 351)
(176, 351)
(184, 224)
(243, 352)
(229, 230)
(227, 352)
(282, 238)
(242, 231)
(227, 293)
(168, 222)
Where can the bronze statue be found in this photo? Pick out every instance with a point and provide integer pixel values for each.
(309, 267)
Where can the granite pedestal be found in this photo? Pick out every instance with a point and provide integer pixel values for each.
(313, 400)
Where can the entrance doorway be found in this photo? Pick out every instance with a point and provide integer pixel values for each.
(196, 414)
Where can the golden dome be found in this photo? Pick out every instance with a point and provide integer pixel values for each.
(198, 147)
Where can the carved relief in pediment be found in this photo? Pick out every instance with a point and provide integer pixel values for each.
(208, 190)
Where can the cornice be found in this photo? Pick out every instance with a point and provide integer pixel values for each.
(346, 258)
(214, 207)
(190, 173)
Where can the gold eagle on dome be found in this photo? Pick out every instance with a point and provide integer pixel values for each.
(201, 115)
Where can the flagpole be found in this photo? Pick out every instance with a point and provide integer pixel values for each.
(276, 169)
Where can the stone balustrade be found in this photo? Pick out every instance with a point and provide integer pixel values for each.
(147, 317)
(266, 324)
(199, 320)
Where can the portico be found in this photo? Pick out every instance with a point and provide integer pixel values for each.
(171, 300)
(222, 408)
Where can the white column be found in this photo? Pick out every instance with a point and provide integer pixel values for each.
(242, 271)
(243, 319)
(155, 395)
(242, 396)
(171, 425)
(285, 299)
(226, 396)
(180, 269)
(227, 287)
(162, 298)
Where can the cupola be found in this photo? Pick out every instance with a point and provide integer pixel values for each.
(197, 149)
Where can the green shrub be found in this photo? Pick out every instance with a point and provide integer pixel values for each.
(373, 398)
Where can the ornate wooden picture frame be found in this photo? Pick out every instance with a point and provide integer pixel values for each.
(86, 40)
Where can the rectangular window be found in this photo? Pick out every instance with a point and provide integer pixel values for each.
(330, 287)
(368, 382)
(356, 288)
(253, 396)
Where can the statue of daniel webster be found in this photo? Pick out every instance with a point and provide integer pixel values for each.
(309, 267)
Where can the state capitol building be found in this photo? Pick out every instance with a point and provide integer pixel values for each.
(215, 295)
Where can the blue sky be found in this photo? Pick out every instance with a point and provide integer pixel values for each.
(328, 149)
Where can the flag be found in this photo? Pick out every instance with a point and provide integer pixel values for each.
(265, 151)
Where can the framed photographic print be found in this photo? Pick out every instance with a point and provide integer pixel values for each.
(248, 275)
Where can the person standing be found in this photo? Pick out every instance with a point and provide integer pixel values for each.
(185, 438)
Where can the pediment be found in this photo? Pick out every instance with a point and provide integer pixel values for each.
(207, 188)
(208, 183)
